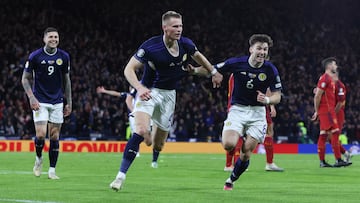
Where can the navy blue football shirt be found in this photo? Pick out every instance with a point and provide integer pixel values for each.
(248, 80)
(48, 70)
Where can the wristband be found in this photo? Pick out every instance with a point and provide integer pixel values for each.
(214, 71)
(267, 100)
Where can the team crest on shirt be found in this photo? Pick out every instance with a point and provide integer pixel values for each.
(323, 85)
(59, 62)
(228, 123)
(140, 53)
(262, 76)
(138, 104)
(184, 57)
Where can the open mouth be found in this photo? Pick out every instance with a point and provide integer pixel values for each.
(53, 43)
(261, 57)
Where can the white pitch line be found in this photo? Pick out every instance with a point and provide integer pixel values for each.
(6, 172)
(25, 201)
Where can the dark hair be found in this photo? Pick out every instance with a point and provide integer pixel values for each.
(263, 38)
(327, 61)
(170, 14)
(50, 29)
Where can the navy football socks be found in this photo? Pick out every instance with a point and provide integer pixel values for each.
(53, 152)
(155, 155)
(240, 167)
(131, 149)
(39, 145)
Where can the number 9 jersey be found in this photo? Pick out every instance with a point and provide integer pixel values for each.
(48, 71)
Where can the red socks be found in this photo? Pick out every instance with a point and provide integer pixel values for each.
(321, 146)
(268, 143)
(229, 156)
(235, 153)
(335, 144)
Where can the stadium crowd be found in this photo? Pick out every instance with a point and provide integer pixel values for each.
(102, 35)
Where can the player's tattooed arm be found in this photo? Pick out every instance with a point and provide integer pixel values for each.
(68, 107)
(25, 80)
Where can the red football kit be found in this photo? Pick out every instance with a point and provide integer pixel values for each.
(326, 111)
(340, 92)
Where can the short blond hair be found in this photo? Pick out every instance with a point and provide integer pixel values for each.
(170, 14)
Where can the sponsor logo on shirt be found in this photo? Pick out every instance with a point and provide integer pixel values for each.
(251, 75)
(220, 65)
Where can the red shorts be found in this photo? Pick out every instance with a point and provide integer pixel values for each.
(268, 116)
(341, 119)
(328, 121)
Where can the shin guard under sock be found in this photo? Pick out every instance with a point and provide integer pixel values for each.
(39, 145)
(131, 149)
(53, 152)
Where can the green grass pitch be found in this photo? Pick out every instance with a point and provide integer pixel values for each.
(85, 177)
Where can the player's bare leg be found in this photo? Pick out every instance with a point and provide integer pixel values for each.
(159, 140)
(40, 128)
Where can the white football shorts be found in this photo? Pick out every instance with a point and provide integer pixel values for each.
(160, 107)
(50, 112)
(247, 120)
(132, 123)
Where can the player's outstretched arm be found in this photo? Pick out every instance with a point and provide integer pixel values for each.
(202, 60)
(102, 90)
(200, 70)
